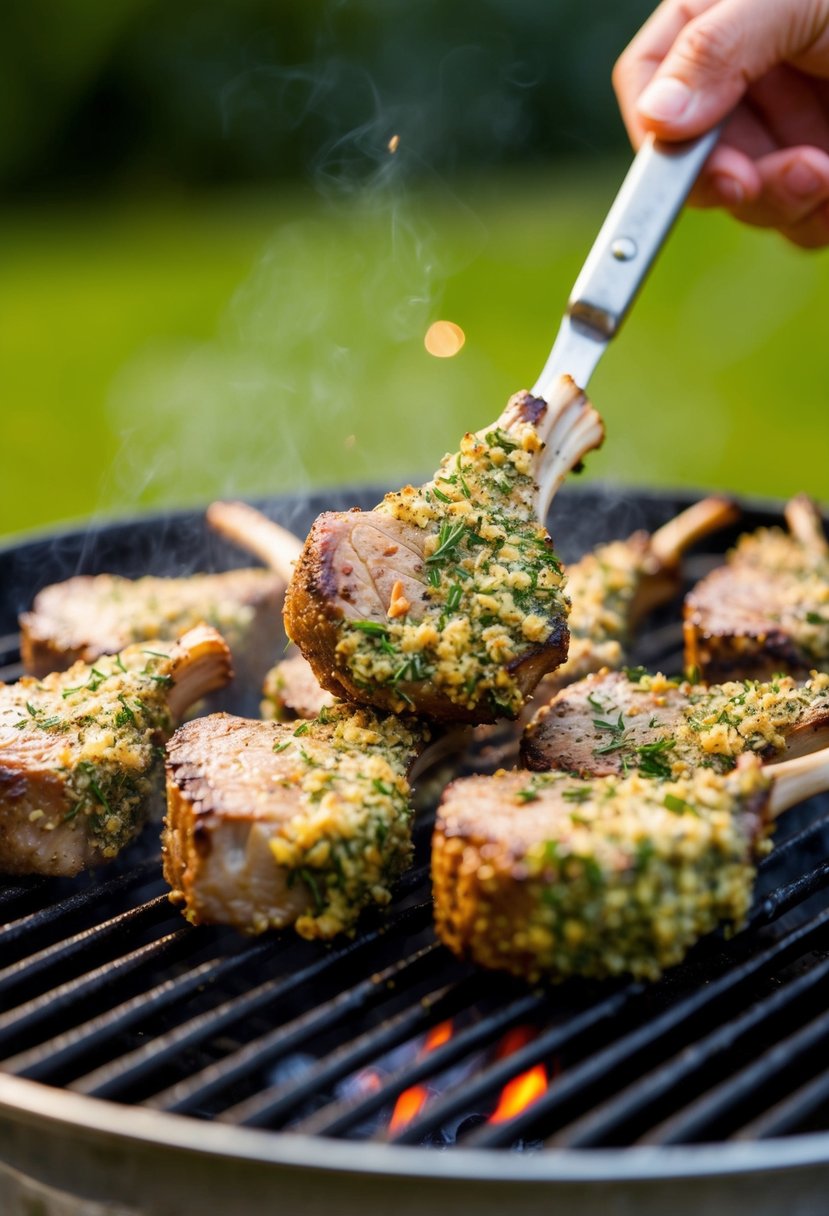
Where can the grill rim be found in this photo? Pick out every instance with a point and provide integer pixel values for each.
(56, 1109)
(50, 1110)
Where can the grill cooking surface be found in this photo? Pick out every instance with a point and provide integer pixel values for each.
(107, 992)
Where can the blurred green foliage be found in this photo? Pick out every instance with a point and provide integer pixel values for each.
(215, 277)
(198, 91)
(167, 353)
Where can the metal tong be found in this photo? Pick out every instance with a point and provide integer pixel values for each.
(637, 225)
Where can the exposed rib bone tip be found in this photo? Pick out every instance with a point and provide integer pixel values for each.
(248, 528)
(669, 542)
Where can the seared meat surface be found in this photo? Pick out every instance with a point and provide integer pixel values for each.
(80, 750)
(272, 824)
(615, 586)
(546, 875)
(86, 617)
(615, 722)
(448, 600)
(291, 690)
(767, 609)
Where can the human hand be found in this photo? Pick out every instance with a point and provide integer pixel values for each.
(696, 61)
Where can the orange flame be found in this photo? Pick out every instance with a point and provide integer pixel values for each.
(411, 1102)
(527, 1087)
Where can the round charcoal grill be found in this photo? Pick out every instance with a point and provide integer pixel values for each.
(150, 1067)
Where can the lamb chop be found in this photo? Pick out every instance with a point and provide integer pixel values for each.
(549, 875)
(89, 616)
(80, 754)
(448, 600)
(767, 609)
(616, 722)
(272, 824)
(292, 691)
(615, 586)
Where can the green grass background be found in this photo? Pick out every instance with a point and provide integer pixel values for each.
(164, 352)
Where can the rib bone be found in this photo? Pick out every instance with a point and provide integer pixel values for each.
(248, 528)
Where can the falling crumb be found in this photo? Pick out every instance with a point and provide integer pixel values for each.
(350, 441)
(444, 339)
(394, 143)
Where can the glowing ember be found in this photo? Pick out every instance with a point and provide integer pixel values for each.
(394, 143)
(411, 1102)
(520, 1093)
(407, 1107)
(437, 1036)
(444, 339)
(523, 1090)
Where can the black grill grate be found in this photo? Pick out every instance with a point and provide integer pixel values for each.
(107, 992)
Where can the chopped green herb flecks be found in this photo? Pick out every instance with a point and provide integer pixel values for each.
(493, 586)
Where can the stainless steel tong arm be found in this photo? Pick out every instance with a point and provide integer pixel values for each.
(643, 213)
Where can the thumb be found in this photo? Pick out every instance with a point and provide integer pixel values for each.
(714, 59)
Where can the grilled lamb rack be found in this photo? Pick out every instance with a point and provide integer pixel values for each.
(86, 617)
(448, 600)
(767, 609)
(79, 749)
(270, 824)
(549, 875)
(615, 586)
(615, 722)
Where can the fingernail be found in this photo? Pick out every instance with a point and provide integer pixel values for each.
(729, 189)
(801, 179)
(665, 99)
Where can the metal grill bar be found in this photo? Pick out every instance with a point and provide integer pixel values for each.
(789, 896)
(714, 1107)
(795, 843)
(645, 1095)
(113, 1079)
(78, 901)
(272, 1107)
(25, 890)
(622, 1055)
(338, 1118)
(40, 1061)
(480, 1089)
(265, 1049)
(790, 1114)
(28, 970)
(57, 1004)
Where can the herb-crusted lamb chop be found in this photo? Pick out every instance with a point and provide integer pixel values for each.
(291, 690)
(80, 750)
(615, 722)
(272, 824)
(767, 609)
(615, 586)
(448, 600)
(89, 616)
(549, 875)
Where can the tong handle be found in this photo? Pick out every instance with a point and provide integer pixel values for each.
(643, 213)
